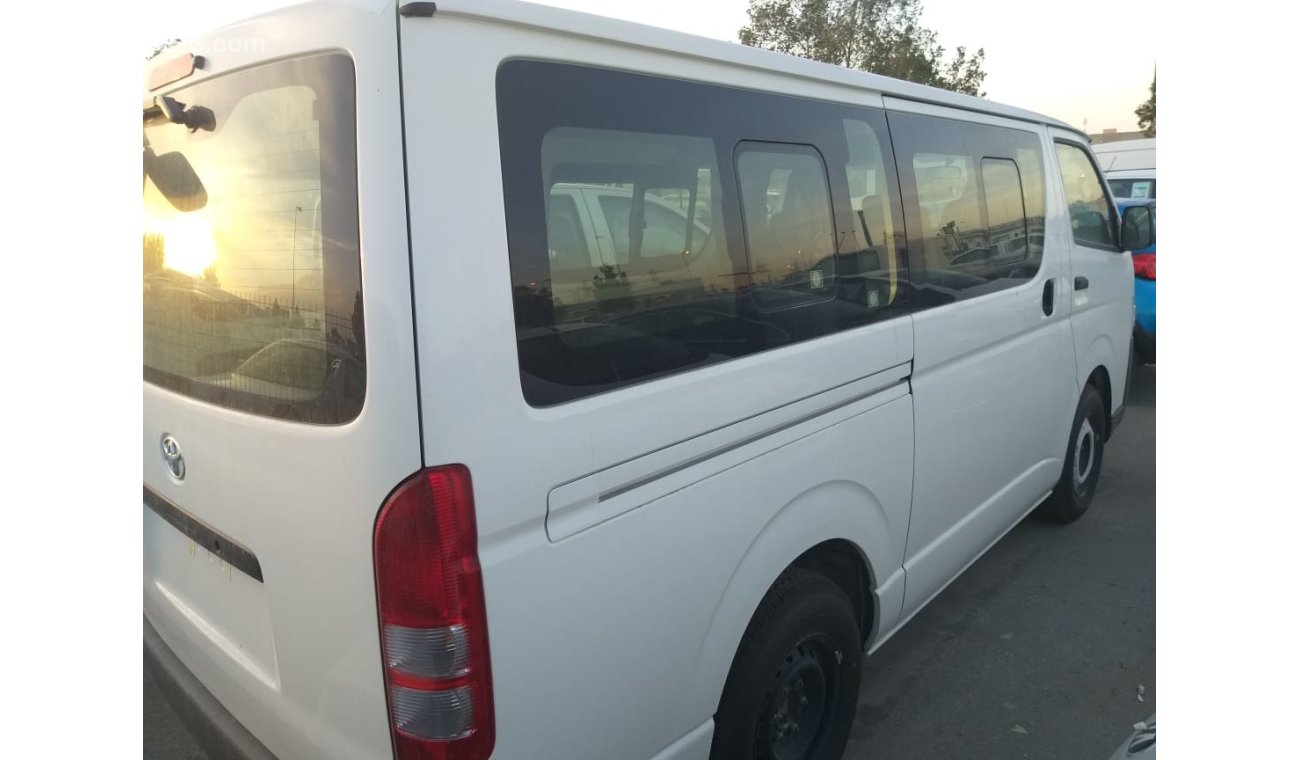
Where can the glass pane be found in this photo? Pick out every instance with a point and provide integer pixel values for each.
(251, 277)
(667, 282)
(1091, 215)
(1005, 202)
(951, 220)
(1133, 188)
(978, 193)
(788, 223)
(664, 232)
(871, 204)
(564, 232)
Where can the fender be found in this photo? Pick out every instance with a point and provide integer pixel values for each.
(832, 510)
(1102, 353)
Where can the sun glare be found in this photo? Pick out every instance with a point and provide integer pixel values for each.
(188, 243)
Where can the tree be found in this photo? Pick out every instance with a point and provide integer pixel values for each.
(881, 36)
(210, 276)
(154, 253)
(1146, 112)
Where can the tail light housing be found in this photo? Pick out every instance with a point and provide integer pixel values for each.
(432, 619)
(1144, 266)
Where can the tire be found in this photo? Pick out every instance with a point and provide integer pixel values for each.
(793, 686)
(1074, 491)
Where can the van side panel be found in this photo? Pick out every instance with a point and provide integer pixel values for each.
(639, 612)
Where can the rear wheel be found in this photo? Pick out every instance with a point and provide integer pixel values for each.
(1074, 491)
(793, 687)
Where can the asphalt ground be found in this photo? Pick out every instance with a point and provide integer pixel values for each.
(1044, 648)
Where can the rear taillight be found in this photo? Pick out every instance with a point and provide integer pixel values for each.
(1144, 266)
(433, 624)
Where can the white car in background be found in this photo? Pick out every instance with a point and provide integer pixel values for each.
(1141, 745)
(1129, 166)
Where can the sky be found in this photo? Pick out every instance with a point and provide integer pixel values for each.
(1074, 61)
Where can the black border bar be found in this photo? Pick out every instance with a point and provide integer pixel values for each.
(229, 550)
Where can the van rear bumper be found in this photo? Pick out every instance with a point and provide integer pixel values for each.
(220, 734)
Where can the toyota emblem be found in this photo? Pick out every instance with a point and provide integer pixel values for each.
(172, 457)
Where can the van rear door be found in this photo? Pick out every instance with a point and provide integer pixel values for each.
(280, 393)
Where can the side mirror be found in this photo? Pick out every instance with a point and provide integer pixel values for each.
(1138, 228)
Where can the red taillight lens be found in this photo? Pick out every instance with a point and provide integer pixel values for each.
(1144, 266)
(432, 618)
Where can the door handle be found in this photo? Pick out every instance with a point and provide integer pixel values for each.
(1049, 296)
(1080, 283)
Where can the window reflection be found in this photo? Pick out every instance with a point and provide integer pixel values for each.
(977, 192)
(1091, 216)
(788, 222)
(649, 236)
(251, 297)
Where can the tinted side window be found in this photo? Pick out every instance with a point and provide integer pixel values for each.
(718, 223)
(974, 196)
(665, 222)
(873, 205)
(564, 233)
(1091, 215)
(1004, 205)
(789, 230)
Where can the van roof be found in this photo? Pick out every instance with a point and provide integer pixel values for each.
(579, 24)
(633, 34)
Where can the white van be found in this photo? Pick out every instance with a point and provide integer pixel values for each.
(1129, 167)
(525, 384)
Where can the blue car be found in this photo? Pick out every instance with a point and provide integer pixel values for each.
(1144, 291)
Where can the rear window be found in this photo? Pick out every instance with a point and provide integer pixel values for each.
(1133, 188)
(252, 279)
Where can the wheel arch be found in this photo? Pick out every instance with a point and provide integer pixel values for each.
(1106, 369)
(837, 529)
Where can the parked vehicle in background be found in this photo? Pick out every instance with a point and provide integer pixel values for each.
(1144, 290)
(1141, 744)
(548, 386)
(1129, 166)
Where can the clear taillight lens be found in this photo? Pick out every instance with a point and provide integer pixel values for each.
(433, 621)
